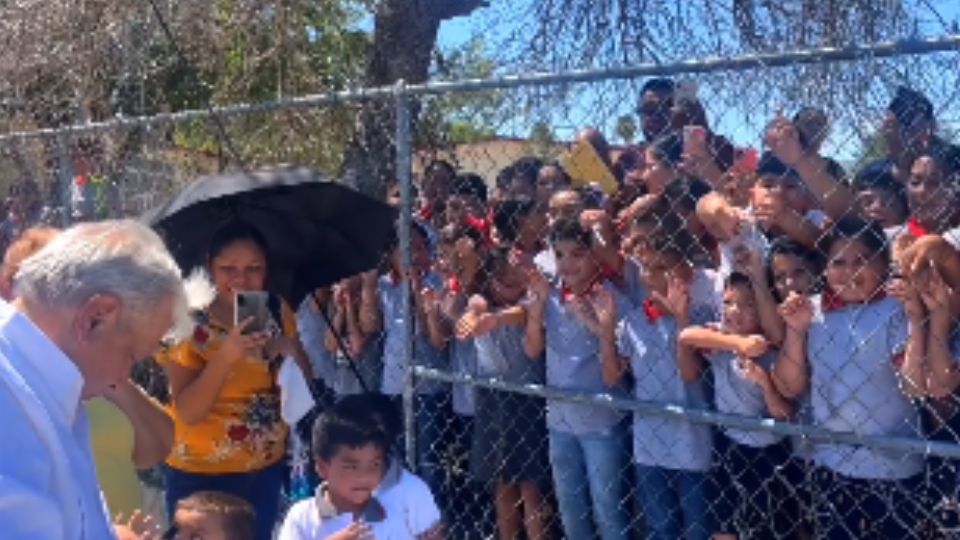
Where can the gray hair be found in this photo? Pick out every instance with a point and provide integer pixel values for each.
(123, 258)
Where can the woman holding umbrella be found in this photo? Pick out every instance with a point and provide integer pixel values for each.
(229, 435)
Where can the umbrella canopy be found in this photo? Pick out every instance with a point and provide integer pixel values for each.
(317, 232)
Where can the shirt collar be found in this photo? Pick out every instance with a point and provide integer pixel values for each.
(60, 376)
(372, 513)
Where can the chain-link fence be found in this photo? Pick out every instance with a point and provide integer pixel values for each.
(693, 332)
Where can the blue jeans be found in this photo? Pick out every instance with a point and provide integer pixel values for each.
(259, 488)
(588, 472)
(674, 503)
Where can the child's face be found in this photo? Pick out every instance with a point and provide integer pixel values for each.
(564, 205)
(930, 199)
(740, 310)
(853, 273)
(352, 474)
(419, 255)
(576, 265)
(533, 228)
(792, 193)
(193, 525)
(659, 267)
(881, 206)
(639, 242)
(656, 175)
(791, 274)
(508, 285)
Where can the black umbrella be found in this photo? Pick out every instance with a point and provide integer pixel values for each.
(317, 231)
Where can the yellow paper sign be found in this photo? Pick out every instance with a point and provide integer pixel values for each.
(586, 167)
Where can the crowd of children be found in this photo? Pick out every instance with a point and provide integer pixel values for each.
(774, 288)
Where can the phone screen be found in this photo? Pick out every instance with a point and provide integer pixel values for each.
(251, 305)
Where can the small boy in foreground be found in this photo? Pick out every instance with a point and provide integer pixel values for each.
(211, 515)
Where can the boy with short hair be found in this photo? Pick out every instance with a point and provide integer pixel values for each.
(212, 515)
(352, 454)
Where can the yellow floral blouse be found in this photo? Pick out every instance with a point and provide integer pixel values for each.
(243, 431)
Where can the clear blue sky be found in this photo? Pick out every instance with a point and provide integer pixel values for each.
(601, 104)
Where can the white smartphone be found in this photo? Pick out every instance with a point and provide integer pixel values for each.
(252, 305)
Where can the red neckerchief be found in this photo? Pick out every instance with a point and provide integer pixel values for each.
(830, 302)
(426, 213)
(481, 225)
(453, 285)
(567, 294)
(395, 277)
(652, 310)
(915, 228)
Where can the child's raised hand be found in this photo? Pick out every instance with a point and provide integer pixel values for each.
(677, 299)
(797, 312)
(605, 308)
(753, 346)
(903, 290)
(537, 285)
(471, 324)
(934, 291)
(357, 530)
(784, 140)
(753, 372)
(748, 261)
(140, 526)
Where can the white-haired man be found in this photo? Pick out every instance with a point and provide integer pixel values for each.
(88, 305)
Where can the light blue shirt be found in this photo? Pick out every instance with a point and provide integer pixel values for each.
(658, 441)
(735, 394)
(424, 353)
(500, 354)
(48, 484)
(855, 388)
(311, 327)
(574, 363)
(463, 361)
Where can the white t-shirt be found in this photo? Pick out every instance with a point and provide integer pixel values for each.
(404, 495)
(389, 515)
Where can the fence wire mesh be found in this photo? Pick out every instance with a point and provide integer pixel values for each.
(738, 320)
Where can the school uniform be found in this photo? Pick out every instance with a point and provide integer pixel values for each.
(672, 456)
(853, 353)
(317, 518)
(749, 461)
(434, 416)
(587, 442)
(508, 443)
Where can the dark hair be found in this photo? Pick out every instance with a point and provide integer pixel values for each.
(738, 279)
(440, 164)
(678, 243)
(908, 105)
(470, 185)
(526, 170)
(660, 85)
(556, 165)
(770, 165)
(343, 427)
(508, 215)
(496, 260)
(452, 232)
(947, 157)
(236, 515)
(374, 408)
(233, 232)
(416, 226)
(570, 230)
(868, 233)
(684, 193)
(880, 175)
(668, 148)
(504, 177)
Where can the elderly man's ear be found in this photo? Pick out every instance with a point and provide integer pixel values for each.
(101, 312)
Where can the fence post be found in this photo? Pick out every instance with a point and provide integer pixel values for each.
(404, 148)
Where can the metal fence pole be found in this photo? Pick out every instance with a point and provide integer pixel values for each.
(404, 149)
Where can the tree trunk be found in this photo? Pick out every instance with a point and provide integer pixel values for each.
(405, 33)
